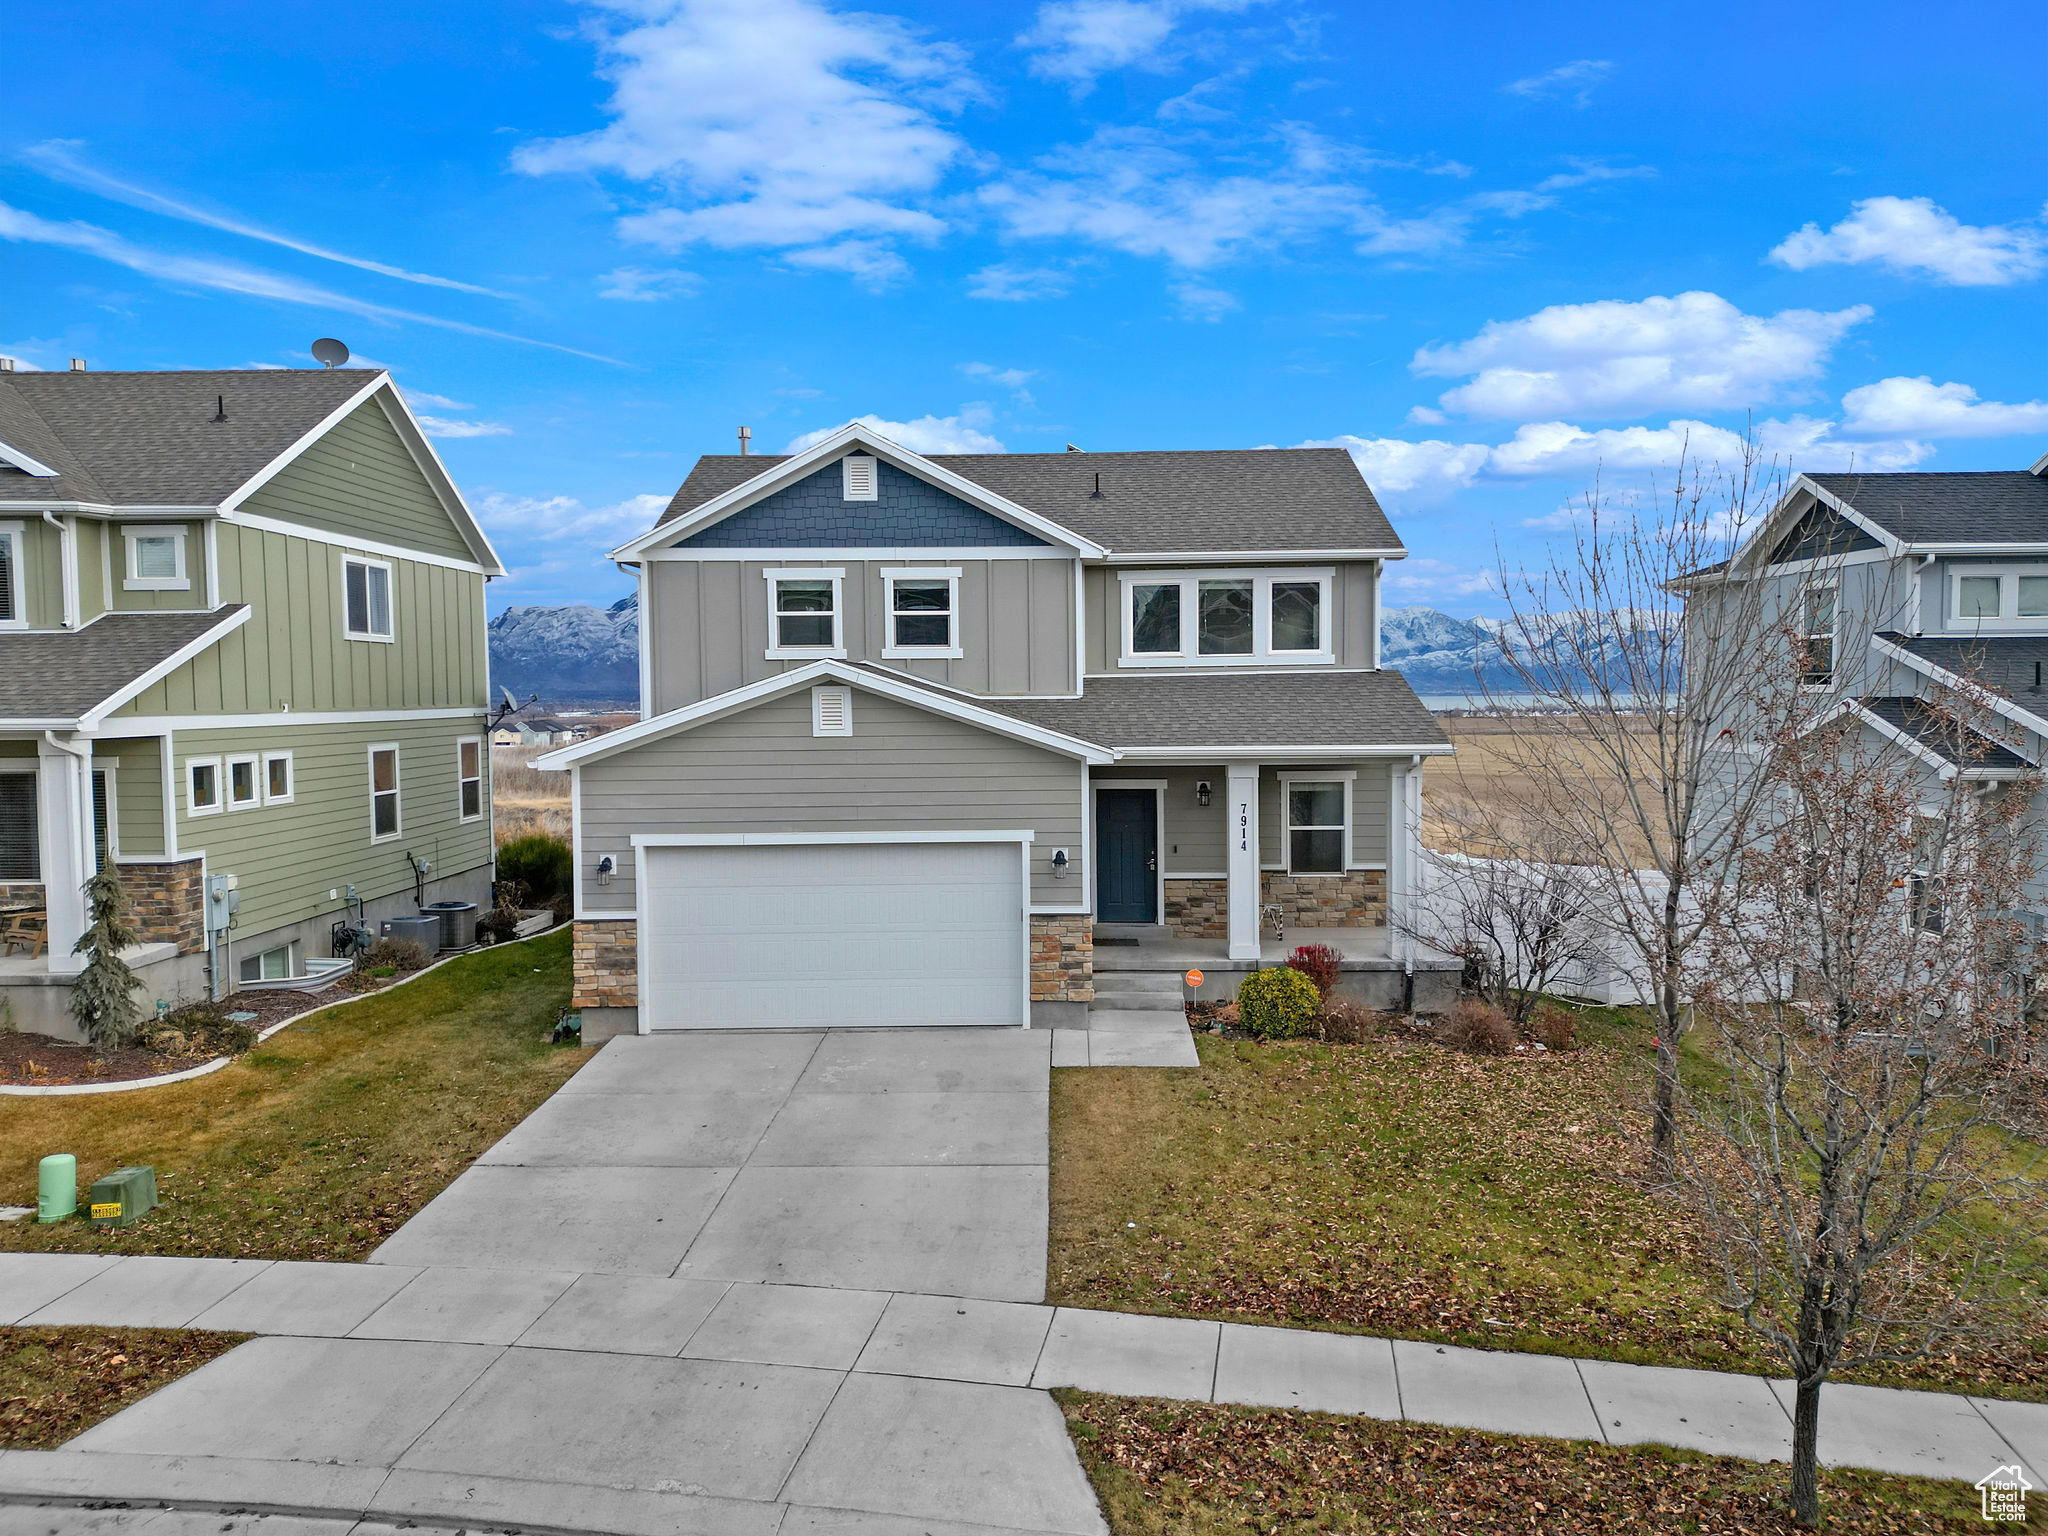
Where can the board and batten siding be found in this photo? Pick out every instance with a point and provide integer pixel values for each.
(903, 769)
(42, 570)
(138, 792)
(710, 624)
(361, 480)
(1351, 624)
(287, 857)
(1196, 841)
(291, 653)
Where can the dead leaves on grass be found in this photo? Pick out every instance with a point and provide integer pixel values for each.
(58, 1382)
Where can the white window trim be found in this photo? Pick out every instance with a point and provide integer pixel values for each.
(1262, 653)
(227, 781)
(175, 532)
(950, 574)
(17, 583)
(291, 778)
(846, 490)
(837, 649)
(390, 598)
(1834, 638)
(483, 765)
(396, 790)
(220, 788)
(1348, 777)
(2009, 618)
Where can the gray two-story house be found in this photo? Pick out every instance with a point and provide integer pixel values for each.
(241, 650)
(913, 726)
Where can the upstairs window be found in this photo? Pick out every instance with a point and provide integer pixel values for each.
(924, 607)
(366, 592)
(1998, 597)
(1819, 661)
(804, 614)
(859, 477)
(1226, 618)
(13, 612)
(469, 776)
(156, 560)
(383, 792)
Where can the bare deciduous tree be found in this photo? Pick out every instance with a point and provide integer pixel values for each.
(1869, 1012)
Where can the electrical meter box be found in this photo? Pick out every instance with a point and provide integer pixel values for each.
(122, 1198)
(223, 900)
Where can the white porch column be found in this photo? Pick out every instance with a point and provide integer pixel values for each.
(64, 824)
(1242, 781)
(1404, 856)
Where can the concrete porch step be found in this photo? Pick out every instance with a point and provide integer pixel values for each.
(1154, 983)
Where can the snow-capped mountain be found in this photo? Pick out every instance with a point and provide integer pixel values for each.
(574, 654)
(1434, 651)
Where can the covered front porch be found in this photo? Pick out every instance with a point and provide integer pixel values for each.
(1379, 969)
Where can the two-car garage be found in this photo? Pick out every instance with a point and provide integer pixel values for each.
(884, 929)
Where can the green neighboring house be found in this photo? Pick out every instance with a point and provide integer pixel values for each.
(241, 636)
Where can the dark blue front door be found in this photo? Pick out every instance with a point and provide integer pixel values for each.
(1127, 849)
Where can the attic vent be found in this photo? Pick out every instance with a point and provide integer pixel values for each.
(831, 711)
(859, 472)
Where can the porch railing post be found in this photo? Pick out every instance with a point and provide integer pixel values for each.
(1242, 782)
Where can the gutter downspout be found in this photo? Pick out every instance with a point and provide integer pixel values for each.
(67, 564)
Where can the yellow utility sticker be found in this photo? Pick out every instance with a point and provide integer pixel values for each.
(106, 1208)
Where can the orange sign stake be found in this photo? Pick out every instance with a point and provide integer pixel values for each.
(1193, 978)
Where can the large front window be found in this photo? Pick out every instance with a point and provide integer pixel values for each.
(804, 613)
(1226, 618)
(1315, 826)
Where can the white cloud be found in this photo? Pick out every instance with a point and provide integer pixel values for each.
(1406, 475)
(1199, 301)
(1574, 80)
(1912, 235)
(413, 396)
(961, 433)
(58, 159)
(1617, 358)
(231, 277)
(1921, 408)
(564, 517)
(1550, 448)
(644, 285)
(1019, 285)
(869, 262)
(770, 124)
(443, 426)
(1420, 576)
(1077, 40)
(1012, 379)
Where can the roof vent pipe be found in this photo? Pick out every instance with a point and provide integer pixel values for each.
(6, 365)
(1097, 492)
(746, 437)
(78, 365)
(220, 407)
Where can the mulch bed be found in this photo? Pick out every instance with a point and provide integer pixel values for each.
(42, 1061)
(56, 1383)
(1168, 1467)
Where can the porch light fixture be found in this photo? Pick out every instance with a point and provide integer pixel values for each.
(605, 866)
(1201, 792)
(1059, 863)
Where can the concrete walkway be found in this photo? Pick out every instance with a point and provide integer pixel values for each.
(782, 1283)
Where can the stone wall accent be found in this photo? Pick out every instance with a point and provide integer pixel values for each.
(1062, 958)
(1200, 909)
(166, 903)
(14, 893)
(604, 961)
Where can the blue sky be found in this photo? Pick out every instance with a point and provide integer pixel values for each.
(1491, 248)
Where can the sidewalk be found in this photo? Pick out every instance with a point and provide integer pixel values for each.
(596, 1349)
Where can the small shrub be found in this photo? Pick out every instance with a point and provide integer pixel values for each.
(542, 864)
(399, 954)
(1320, 964)
(1554, 1028)
(1477, 1027)
(561, 906)
(197, 1029)
(1347, 1023)
(1278, 1004)
(382, 972)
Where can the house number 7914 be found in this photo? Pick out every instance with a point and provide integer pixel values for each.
(1244, 822)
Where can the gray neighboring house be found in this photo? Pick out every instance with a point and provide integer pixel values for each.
(241, 640)
(913, 726)
(1916, 584)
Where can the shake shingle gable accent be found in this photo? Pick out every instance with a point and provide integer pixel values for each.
(813, 513)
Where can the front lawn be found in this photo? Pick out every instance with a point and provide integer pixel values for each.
(1192, 1469)
(318, 1143)
(58, 1382)
(1398, 1188)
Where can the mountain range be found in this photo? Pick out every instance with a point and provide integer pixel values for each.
(576, 654)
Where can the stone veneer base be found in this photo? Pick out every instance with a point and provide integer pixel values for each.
(1200, 908)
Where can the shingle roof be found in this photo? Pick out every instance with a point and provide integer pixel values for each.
(1225, 500)
(1949, 507)
(62, 674)
(149, 439)
(1942, 735)
(1277, 709)
(2012, 664)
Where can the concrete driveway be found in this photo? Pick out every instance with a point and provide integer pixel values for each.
(907, 1160)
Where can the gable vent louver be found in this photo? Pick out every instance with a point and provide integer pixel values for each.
(859, 476)
(831, 711)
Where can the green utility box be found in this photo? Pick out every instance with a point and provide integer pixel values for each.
(123, 1197)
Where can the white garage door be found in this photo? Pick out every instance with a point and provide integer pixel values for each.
(843, 934)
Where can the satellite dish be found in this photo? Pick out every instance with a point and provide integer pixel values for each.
(511, 704)
(329, 351)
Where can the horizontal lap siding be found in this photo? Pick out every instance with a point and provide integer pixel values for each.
(287, 857)
(1197, 841)
(903, 769)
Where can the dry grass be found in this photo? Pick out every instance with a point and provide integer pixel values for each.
(56, 1383)
(525, 799)
(1192, 1469)
(1485, 780)
(320, 1142)
(1397, 1188)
